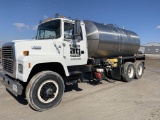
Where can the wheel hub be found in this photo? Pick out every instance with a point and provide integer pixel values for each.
(48, 91)
(130, 72)
(139, 70)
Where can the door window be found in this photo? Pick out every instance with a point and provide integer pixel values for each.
(69, 31)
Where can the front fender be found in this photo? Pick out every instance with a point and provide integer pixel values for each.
(29, 62)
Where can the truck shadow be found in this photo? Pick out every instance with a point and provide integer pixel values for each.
(75, 87)
(68, 88)
(21, 98)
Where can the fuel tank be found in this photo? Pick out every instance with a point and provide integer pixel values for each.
(107, 41)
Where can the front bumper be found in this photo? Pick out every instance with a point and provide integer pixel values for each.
(13, 86)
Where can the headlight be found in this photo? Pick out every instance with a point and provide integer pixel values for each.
(20, 68)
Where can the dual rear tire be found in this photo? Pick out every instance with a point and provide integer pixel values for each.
(139, 70)
(131, 71)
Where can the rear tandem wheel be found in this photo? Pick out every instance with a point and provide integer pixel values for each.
(139, 67)
(129, 72)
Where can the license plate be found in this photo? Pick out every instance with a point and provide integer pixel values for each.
(15, 87)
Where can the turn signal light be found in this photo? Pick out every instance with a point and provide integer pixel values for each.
(29, 65)
(25, 53)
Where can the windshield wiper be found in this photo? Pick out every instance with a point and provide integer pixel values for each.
(52, 37)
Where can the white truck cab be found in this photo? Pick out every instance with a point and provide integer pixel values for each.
(54, 43)
(59, 45)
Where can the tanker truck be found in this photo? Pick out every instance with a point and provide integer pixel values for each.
(65, 51)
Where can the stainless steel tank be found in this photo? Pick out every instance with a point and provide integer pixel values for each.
(110, 41)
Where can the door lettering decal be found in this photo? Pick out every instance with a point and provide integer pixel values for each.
(75, 51)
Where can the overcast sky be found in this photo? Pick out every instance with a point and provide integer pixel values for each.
(19, 18)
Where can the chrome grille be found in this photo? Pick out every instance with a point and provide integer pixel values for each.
(7, 58)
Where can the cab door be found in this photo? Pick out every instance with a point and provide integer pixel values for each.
(74, 51)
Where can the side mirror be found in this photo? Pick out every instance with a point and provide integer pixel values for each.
(77, 29)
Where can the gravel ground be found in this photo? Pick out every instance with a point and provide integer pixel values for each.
(137, 100)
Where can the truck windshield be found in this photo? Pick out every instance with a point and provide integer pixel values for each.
(49, 30)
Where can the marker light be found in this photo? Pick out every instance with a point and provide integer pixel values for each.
(48, 19)
(25, 53)
(29, 65)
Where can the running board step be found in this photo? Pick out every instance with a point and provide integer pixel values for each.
(75, 73)
(71, 82)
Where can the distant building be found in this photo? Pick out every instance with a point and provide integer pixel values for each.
(150, 48)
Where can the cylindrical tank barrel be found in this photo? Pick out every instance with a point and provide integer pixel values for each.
(106, 41)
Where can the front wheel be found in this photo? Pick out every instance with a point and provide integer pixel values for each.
(45, 90)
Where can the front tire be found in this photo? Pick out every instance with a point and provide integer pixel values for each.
(129, 72)
(45, 90)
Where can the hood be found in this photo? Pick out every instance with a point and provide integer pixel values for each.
(23, 40)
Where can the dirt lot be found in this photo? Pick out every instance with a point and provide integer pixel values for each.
(137, 100)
